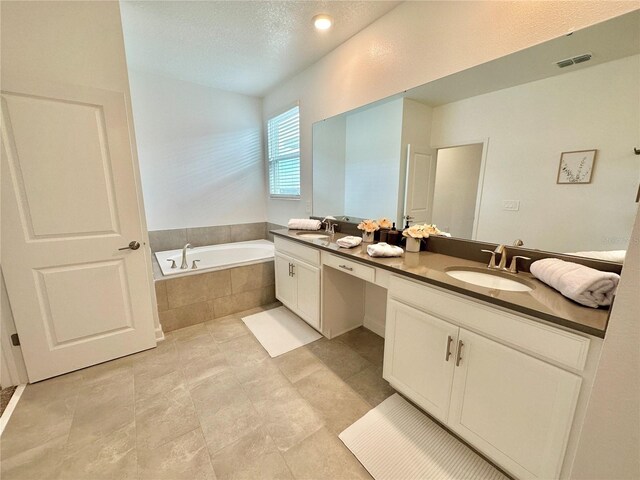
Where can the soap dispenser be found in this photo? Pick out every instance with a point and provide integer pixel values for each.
(393, 237)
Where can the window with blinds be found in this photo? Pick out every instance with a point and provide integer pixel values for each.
(283, 145)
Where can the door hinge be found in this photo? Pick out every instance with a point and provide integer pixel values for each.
(15, 340)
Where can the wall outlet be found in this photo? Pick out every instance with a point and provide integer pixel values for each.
(512, 205)
(308, 207)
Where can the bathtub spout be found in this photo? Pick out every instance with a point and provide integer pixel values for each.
(184, 264)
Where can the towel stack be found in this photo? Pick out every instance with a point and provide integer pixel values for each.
(304, 224)
(384, 250)
(349, 242)
(587, 286)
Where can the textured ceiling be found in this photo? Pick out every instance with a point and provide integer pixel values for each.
(241, 46)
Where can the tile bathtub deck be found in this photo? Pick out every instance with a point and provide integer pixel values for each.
(207, 403)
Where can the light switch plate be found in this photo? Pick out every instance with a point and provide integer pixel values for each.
(512, 205)
(308, 207)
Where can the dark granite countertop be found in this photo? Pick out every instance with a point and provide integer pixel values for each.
(543, 302)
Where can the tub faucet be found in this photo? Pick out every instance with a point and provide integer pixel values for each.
(184, 264)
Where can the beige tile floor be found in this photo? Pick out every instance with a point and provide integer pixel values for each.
(207, 403)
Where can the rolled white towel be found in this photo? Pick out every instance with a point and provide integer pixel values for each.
(304, 224)
(607, 255)
(587, 286)
(384, 250)
(349, 242)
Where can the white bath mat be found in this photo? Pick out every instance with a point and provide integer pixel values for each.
(395, 440)
(279, 330)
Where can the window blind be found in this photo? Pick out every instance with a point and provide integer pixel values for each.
(283, 145)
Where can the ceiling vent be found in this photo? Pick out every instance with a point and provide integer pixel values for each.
(585, 57)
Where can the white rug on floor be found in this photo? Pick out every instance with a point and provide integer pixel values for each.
(395, 440)
(280, 330)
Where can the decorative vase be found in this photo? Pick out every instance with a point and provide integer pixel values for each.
(367, 237)
(413, 244)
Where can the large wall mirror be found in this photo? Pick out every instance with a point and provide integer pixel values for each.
(537, 146)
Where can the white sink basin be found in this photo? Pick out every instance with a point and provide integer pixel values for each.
(489, 280)
(312, 236)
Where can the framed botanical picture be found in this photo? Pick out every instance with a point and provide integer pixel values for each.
(576, 167)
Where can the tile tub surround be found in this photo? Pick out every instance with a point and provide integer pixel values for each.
(192, 299)
(162, 240)
(207, 403)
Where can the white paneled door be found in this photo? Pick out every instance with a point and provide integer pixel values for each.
(418, 202)
(69, 206)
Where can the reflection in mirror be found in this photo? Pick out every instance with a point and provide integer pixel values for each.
(478, 153)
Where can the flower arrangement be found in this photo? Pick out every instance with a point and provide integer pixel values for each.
(421, 231)
(368, 226)
(385, 223)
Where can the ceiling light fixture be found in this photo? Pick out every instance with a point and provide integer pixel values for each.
(322, 21)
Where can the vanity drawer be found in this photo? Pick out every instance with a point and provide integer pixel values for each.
(307, 254)
(544, 340)
(356, 269)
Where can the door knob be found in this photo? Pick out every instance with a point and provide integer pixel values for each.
(132, 246)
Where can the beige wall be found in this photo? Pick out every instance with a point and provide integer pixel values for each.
(200, 153)
(421, 41)
(610, 443)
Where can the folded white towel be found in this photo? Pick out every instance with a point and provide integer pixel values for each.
(304, 224)
(349, 242)
(581, 284)
(384, 250)
(608, 255)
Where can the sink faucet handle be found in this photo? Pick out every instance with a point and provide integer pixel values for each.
(193, 265)
(492, 262)
(173, 262)
(513, 268)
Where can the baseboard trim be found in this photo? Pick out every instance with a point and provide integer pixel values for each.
(159, 334)
(6, 415)
(375, 326)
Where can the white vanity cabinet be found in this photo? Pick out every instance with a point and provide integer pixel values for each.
(418, 359)
(298, 279)
(460, 364)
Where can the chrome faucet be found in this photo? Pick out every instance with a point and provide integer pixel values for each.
(518, 243)
(184, 264)
(328, 226)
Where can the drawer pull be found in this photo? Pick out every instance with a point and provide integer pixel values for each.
(346, 268)
(449, 342)
(459, 359)
(293, 272)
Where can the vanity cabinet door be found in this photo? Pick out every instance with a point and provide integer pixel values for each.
(286, 283)
(516, 409)
(308, 284)
(419, 357)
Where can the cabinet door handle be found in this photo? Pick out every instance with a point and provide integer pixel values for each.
(290, 268)
(459, 358)
(346, 268)
(449, 342)
(293, 272)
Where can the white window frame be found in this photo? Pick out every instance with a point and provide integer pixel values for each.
(269, 160)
